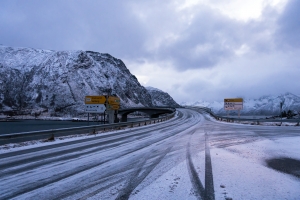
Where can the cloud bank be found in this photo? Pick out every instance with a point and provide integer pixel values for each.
(192, 49)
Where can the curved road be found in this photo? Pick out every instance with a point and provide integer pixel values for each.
(126, 164)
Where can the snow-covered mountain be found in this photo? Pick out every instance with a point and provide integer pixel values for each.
(265, 105)
(56, 82)
(161, 98)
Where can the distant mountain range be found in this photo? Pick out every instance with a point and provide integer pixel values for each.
(265, 105)
(55, 83)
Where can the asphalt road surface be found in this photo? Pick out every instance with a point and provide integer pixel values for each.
(18, 126)
(120, 164)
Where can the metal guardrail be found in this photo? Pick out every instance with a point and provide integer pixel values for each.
(232, 119)
(50, 134)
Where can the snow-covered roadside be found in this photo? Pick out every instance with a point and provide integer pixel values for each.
(38, 143)
(175, 183)
(270, 123)
(241, 172)
(257, 123)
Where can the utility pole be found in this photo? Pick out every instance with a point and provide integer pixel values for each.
(281, 104)
(298, 118)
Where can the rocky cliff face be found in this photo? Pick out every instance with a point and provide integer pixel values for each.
(56, 82)
(160, 98)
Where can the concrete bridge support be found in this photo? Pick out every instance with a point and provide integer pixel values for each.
(124, 118)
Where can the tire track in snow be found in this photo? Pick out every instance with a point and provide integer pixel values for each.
(209, 182)
(136, 179)
(196, 182)
(202, 192)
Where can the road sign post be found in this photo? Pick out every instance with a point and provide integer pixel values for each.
(103, 104)
(112, 107)
(233, 104)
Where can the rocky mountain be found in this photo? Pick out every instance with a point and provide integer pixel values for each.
(265, 105)
(55, 83)
(161, 98)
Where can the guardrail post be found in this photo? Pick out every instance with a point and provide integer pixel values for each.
(51, 138)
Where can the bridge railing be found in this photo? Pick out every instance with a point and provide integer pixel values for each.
(233, 119)
(52, 133)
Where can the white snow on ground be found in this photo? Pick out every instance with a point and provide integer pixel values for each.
(174, 183)
(38, 143)
(239, 172)
(255, 122)
(242, 170)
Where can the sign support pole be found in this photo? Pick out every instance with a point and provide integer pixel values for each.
(104, 117)
(233, 104)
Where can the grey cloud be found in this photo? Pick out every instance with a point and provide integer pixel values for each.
(114, 27)
(288, 33)
(66, 25)
(217, 36)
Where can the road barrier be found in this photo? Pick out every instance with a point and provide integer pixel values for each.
(52, 133)
(232, 119)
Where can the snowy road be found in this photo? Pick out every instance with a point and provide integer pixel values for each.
(188, 157)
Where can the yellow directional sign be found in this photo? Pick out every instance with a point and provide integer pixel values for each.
(233, 104)
(233, 100)
(95, 99)
(112, 107)
(113, 100)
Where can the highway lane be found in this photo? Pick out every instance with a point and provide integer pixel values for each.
(18, 126)
(121, 164)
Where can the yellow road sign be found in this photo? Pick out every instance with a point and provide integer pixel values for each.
(233, 104)
(233, 100)
(112, 107)
(113, 100)
(95, 99)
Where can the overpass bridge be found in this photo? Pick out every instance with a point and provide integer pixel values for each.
(153, 112)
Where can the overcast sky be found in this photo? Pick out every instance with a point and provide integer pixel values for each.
(193, 49)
